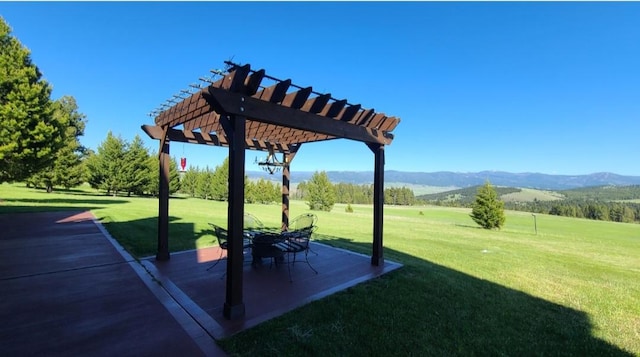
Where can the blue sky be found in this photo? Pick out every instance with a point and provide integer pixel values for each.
(521, 87)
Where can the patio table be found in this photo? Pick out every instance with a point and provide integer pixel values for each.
(264, 246)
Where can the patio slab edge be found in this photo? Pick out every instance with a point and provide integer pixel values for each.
(193, 324)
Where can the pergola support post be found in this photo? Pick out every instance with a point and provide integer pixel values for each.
(163, 202)
(286, 179)
(286, 186)
(377, 256)
(235, 128)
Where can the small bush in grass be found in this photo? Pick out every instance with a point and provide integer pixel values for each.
(348, 209)
(421, 213)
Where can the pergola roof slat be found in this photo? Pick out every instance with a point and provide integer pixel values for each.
(234, 81)
(375, 122)
(389, 123)
(374, 118)
(253, 82)
(316, 104)
(348, 113)
(363, 116)
(256, 109)
(297, 99)
(212, 120)
(333, 109)
(274, 93)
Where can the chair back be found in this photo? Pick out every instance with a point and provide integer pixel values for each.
(221, 234)
(304, 222)
(252, 222)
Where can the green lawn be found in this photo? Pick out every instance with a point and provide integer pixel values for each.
(571, 289)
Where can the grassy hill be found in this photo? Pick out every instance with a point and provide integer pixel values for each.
(512, 194)
(604, 193)
(530, 195)
(572, 289)
(464, 195)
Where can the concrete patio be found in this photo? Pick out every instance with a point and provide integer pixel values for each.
(68, 288)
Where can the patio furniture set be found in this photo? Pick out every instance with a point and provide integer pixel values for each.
(263, 242)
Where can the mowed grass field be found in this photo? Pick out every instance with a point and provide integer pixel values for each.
(571, 289)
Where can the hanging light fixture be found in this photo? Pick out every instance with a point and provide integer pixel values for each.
(270, 164)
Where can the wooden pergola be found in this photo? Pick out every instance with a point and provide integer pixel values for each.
(242, 110)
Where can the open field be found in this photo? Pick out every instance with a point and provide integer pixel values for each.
(529, 195)
(571, 289)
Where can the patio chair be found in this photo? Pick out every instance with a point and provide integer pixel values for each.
(297, 241)
(251, 222)
(302, 223)
(223, 241)
(252, 226)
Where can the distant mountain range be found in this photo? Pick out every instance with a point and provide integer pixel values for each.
(458, 179)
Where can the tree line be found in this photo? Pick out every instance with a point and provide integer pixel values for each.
(627, 212)
(122, 167)
(359, 194)
(212, 184)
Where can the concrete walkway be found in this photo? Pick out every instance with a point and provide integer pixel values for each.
(67, 289)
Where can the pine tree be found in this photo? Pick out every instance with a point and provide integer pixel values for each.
(487, 209)
(67, 169)
(135, 167)
(30, 135)
(220, 181)
(152, 171)
(320, 192)
(204, 183)
(189, 181)
(107, 164)
(94, 169)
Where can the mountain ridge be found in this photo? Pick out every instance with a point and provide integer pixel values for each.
(467, 179)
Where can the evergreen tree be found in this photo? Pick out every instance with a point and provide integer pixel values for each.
(250, 191)
(109, 162)
(30, 135)
(301, 191)
(152, 170)
(189, 181)
(488, 209)
(267, 192)
(67, 170)
(94, 169)
(320, 192)
(137, 170)
(220, 182)
(204, 184)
